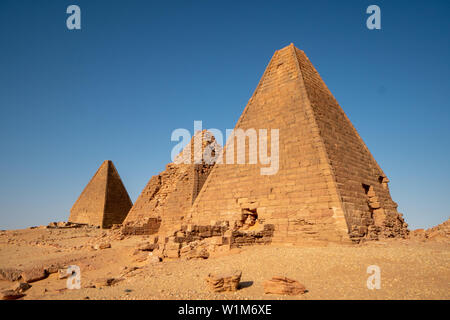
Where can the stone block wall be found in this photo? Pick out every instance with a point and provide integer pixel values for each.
(354, 168)
(168, 197)
(318, 193)
(104, 201)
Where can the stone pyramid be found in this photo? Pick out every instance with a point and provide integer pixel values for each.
(104, 201)
(168, 196)
(328, 186)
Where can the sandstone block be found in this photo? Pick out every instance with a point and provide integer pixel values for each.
(224, 282)
(34, 274)
(21, 287)
(283, 286)
(105, 282)
(11, 295)
(10, 274)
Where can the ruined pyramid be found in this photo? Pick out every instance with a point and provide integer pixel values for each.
(328, 186)
(104, 201)
(168, 196)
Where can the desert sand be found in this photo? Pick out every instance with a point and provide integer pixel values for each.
(414, 268)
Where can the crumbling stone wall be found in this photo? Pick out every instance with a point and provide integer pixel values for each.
(168, 196)
(197, 241)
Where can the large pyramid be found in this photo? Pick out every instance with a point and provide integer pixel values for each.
(104, 201)
(328, 186)
(168, 196)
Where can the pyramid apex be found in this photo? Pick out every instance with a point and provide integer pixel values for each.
(107, 163)
(291, 46)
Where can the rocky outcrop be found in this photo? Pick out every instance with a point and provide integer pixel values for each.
(11, 295)
(224, 282)
(283, 286)
(34, 274)
(10, 274)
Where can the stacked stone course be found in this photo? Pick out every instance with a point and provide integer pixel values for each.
(328, 187)
(318, 193)
(168, 196)
(104, 201)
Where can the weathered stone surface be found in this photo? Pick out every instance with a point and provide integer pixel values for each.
(147, 246)
(440, 232)
(168, 197)
(34, 274)
(283, 286)
(21, 287)
(52, 269)
(153, 258)
(63, 274)
(103, 245)
(10, 274)
(105, 282)
(11, 295)
(104, 201)
(194, 250)
(63, 225)
(224, 282)
(327, 185)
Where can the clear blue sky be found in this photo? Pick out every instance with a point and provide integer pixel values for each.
(140, 69)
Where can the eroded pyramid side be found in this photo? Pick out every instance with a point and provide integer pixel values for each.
(301, 199)
(362, 185)
(168, 196)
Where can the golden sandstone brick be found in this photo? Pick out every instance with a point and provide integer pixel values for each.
(104, 201)
(328, 186)
(324, 164)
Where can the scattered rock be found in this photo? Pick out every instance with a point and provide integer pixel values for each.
(106, 282)
(158, 253)
(195, 250)
(11, 295)
(440, 232)
(153, 259)
(127, 271)
(10, 274)
(142, 256)
(63, 225)
(224, 282)
(34, 274)
(52, 269)
(21, 287)
(283, 286)
(63, 274)
(101, 246)
(147, 246)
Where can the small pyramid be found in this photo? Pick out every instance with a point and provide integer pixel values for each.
(168, 196)
(328, 186)
(104, 201)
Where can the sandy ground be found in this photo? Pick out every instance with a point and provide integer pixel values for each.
(409, 269)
